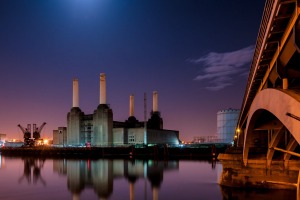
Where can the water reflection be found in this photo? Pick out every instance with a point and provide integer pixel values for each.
(100, 174)
(235, 194)
(37, 178)
(2, 162)
(32, 170)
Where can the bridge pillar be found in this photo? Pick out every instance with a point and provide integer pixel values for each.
(285, 83)
(273, 143)
(256, 174)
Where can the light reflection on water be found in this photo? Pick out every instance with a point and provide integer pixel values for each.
(35, 178)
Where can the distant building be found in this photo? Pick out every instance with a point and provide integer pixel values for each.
(99, 129)
(226, 124)
(60, 136)
(2, 139)
(14, 144)
(206, 139)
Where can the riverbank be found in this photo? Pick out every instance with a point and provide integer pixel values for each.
(200, 151)
(256, 173)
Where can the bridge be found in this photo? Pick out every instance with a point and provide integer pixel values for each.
(268, 128)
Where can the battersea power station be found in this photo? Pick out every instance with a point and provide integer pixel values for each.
(99, 128)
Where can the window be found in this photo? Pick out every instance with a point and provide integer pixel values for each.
(131, 138)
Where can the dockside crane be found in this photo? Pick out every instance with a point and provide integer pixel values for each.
(26, 134)
(28, 141)
(37, 131)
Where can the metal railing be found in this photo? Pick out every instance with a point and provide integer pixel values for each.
(269, 6)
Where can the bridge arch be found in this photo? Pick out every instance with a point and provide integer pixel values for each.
(283, 104)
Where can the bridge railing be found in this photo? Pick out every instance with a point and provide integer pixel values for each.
(269, 5)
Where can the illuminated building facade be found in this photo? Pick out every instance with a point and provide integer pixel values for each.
(99, 129)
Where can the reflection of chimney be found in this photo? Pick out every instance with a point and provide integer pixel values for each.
(102, 89)
(131, 105)
(155, 193)
(155, 101)
(75, 196)
(75, 93)
(131, 191)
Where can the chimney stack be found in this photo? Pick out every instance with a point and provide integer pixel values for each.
(155, 101)
(102, 89)
(75, 93)
(131, 105)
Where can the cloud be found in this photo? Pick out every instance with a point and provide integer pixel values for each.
(219, 68)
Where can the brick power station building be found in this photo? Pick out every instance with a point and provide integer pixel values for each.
(99, 129)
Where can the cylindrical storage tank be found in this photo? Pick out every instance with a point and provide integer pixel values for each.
(226, 124)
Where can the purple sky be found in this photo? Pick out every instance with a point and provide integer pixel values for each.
(195, 53)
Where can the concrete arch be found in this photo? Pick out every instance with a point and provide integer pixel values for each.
(279, 103)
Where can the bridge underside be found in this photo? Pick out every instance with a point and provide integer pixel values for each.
(273, 127)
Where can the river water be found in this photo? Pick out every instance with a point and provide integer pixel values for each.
(30, 178)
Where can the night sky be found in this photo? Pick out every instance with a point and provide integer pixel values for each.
(195, 53)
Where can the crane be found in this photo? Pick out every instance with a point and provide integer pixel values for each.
(37, 131)
(26, 131)
(28, 141)
(26, 134)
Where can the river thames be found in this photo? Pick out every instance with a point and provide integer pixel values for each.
(35, 178)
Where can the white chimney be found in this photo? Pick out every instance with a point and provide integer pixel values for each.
(131, 105)
(155, 101)
(75, 93)
(102, 89)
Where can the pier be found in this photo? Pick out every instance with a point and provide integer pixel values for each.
(257, 175)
